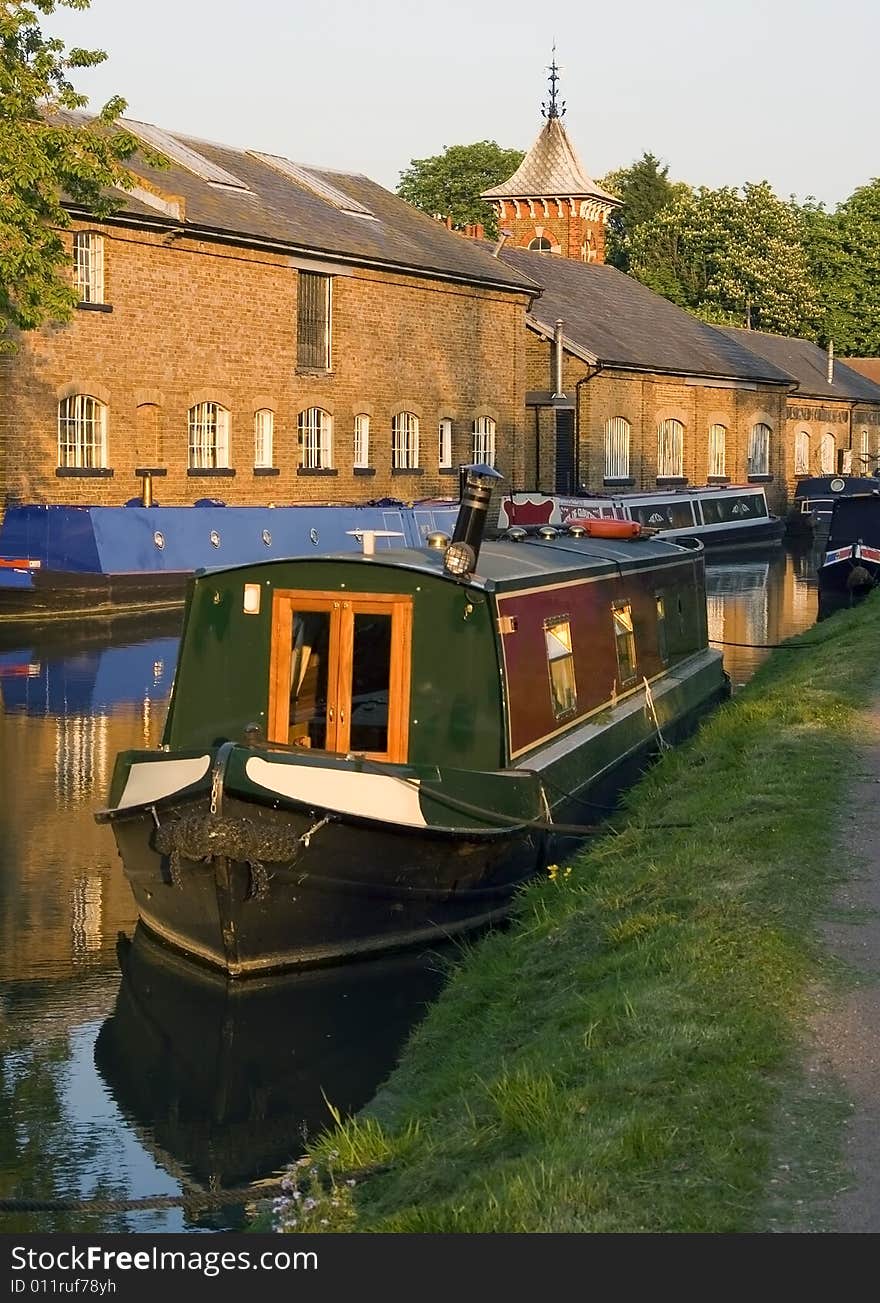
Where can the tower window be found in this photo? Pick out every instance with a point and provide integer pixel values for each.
(541, 244)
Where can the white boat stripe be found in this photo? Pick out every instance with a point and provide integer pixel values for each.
(151, 780)
(343, 791)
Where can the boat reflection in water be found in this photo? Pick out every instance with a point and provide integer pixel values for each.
(226, 1082)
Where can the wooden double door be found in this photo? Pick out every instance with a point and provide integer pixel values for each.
(340, 672)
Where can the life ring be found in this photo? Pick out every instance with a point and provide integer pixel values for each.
(606, 528)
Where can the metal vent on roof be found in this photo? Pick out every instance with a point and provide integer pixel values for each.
(318, 186)
(182, 154)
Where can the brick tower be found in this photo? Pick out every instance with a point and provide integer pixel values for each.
(550, 203)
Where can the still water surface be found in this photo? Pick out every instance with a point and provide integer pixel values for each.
(125, 1072)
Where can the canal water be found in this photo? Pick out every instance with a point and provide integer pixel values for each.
(124, 1071)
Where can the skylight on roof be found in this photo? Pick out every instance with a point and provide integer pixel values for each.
(312, 182)
(182, 154)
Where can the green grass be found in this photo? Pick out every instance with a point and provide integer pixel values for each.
(625, 1057)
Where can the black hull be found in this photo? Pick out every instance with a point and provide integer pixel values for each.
(352, 891)
(741, 536)
(845, 583)
(57, 597)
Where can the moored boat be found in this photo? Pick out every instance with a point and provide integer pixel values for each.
(815, 496)
(368, 752)
(732, 516)
(850, 567)
(61, 563)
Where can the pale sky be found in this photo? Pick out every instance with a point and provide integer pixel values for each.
(782, 90)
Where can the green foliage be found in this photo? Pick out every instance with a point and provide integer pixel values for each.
(45, 156)
(449, 184)
(645, 190)
(733, 256)
(619, 1059)
(844, 252)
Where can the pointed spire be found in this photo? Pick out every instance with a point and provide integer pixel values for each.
(555, 108)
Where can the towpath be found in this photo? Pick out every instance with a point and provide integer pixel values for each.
(847, 1027)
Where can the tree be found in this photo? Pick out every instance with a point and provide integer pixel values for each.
(844, 253)
(732, 256)
(47, 157)
(449, 184)
(644, 189)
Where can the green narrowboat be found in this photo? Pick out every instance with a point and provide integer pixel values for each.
(366, 752)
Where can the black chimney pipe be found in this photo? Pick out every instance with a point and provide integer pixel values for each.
(462, 553)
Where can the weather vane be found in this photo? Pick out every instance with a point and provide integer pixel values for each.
(554, 109)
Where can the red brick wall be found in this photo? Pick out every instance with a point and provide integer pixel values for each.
(571, 235)
(194, 321)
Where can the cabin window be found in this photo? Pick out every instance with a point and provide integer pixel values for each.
(662, 640)
(340, 672)
(802, 453)
(560, 660)
(827, 453)
(670, 450)
(744, 506)
(625, 640)
(264, 429)
(362, 440)
(484, 441)
(717, 450)
(617, 439)
(444, 456)
(309, 668)
(759, 449)
(82, 432)
(88, 266)
(208, 427)
(313, 321)
(315, 435)
(405, 441)
(674, 514)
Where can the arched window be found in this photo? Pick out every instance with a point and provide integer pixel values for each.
(670, 450)
(405, 441)
(541, 244)
(864, 452)
(208, 425)
(444, 450)
(802, 453)
(827, 453)
(717, 451)
(82, 432)
(362, 440)
(759, 449)
(264, 430)
(484, 441)
(315, 434)
(617, 440)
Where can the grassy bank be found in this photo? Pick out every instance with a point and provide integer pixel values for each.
(619, 1058)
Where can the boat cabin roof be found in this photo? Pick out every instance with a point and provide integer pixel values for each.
(856, 517)
(504, 564)
(831, 486)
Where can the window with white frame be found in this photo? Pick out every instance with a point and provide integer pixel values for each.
(827, 453)
(264, 430)
(540, 244)
(315, 433)
(362, 440)
(88, 266)
(802, 453)
(865, 451)
(82, 432)
(670, 450)
(759, 449)
(484, 441)
(208, 425)
(617, 440)
(313, 321)
(717, 450)
(444, 455)
(405, 441)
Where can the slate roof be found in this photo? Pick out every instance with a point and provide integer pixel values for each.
(551, 169)
(866, 366)
(807, 363)
(275, 209)
(614, 319)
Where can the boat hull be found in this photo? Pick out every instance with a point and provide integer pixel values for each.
(246, 868)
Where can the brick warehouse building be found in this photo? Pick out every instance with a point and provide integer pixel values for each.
(627, 391)
(257, 331)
